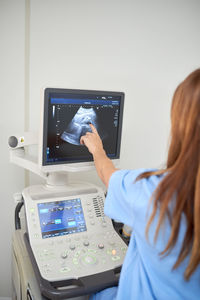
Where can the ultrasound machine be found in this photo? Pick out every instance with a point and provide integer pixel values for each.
(64, 247)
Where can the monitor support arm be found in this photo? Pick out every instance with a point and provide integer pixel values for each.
(20, 157)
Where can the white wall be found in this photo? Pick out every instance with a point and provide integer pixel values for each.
(11, 121)
(144, 48)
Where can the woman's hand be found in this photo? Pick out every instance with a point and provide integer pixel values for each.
(103, 164)
(93, 142)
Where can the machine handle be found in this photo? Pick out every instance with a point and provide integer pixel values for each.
(17, 217)
(82, 286)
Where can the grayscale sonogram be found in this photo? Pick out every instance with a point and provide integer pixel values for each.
(79, 125)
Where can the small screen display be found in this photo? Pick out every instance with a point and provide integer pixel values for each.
(61, 218)
(67, 117)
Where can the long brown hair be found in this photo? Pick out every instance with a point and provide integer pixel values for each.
(181, 183)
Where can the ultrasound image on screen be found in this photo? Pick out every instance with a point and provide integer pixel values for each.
(79, 125)
(68, 117)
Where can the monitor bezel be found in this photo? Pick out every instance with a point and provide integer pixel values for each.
(74, 164)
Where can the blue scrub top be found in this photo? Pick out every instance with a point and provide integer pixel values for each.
(145, 274)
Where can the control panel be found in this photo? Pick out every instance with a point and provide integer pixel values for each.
(69, 234)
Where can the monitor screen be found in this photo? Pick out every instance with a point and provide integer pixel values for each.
(67, 115)
(61, 218)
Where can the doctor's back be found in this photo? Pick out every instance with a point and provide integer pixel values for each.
(163, 209)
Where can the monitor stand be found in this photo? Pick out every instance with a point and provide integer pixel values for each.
(57, 179)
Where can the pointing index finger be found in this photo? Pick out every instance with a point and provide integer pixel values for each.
(93, 128)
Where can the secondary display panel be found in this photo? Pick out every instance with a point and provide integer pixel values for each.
(61, 218)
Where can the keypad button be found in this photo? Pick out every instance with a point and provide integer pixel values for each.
(64, 255)
(36, 236)
(112, 243)
(103, 260)
(92, 250)
(109, 251)
(75, 261)
(115, 258)
(101, 246)
(65, 269)
(77, 254)
(89, 260)
(86, 243)
(72, 246)
(114, 252)
(123, 249)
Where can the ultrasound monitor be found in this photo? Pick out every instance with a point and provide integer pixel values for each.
(67, 115)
